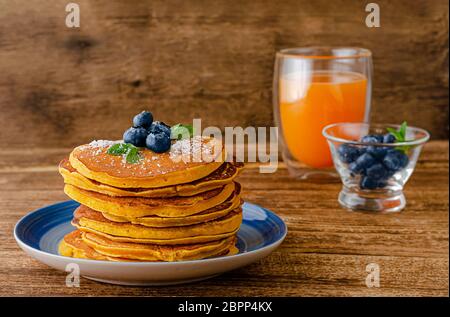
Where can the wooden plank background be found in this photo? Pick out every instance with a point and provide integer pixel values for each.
(211, 59)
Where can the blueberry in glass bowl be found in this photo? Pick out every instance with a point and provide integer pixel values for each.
(374, 162)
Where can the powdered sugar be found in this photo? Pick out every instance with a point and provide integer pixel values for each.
(99, 145)
(102, 143)
(196, 149)
(190, 146)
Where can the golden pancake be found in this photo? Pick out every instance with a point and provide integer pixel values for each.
(74, 245)
(223, 175)
(154, 170)
(134, 207)
(232, 202)
(189, 240)
(155, 221)
(231, 251)
(89, 219)
(152, 252)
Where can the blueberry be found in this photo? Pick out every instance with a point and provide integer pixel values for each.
(143, 120)
(362, 163)
(377, 151)
(348, 153)
(362, 150)
(372, 138)
(135, 136)
(389, 173)
(377, 171)
(395, 160)
(389, 138)
(159, 127)
(371, 183)
(158, 142)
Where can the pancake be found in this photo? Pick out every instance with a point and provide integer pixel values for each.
(189, 240)
(232, 202)
(232, 250)
(74, 245)
(142, 206)
(155, 221)
(221, 176)
(155, 169)
(93, 220)
(151, 252)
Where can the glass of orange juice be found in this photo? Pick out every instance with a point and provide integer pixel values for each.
(314, 87)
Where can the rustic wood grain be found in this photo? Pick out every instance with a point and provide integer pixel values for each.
(325, 253)
(60, 87)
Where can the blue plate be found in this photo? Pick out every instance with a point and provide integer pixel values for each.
(40, 232)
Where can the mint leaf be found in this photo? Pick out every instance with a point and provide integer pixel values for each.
(395, 133)
(181, 131)
(400, 136)
(128, 150)
(403, 131)
(132, 155)
(118, 149)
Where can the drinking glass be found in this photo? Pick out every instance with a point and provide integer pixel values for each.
(312, 88)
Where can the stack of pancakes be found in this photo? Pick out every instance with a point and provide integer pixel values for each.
(163, 208)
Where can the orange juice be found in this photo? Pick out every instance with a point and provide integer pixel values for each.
(309, 101)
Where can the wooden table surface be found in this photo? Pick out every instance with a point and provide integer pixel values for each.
(325, 253)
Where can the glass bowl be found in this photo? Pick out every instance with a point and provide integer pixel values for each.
(373, 170)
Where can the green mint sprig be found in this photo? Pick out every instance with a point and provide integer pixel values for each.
(178, 131)
(400, 136)
(130, 152)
